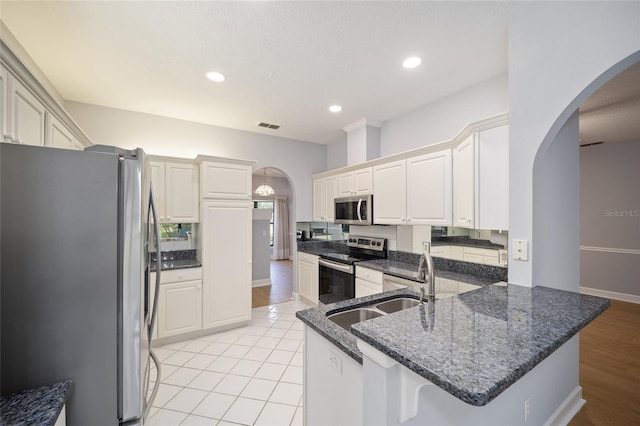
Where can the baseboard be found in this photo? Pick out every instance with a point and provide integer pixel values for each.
(610, 294)
(261, 283)
(567, 410)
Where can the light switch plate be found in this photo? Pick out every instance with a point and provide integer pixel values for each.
(520, 249)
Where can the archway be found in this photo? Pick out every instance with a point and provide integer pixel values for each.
(274, 238)
(556, 189)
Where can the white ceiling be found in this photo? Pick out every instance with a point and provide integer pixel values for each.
(285, 62)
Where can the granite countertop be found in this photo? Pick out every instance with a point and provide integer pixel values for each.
(316, 318)
(40, 406)
(475, 345)
(409, 271)
(179, 259)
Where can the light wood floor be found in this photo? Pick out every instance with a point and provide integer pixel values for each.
(610, 368)
(281, 286)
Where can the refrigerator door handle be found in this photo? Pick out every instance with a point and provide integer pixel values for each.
(156, 226)
(154, 310)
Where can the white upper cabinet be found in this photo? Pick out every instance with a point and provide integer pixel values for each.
(225, 180)
(415, 191)
(358, 182)
(390, 197)
(492, 189)
(59, 136)
(429, 189)
(175, 186)
(464, 183)
(325, 191)
(481, 180)
(26, 123)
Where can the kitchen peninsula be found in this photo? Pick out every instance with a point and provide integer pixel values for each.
(473, 358)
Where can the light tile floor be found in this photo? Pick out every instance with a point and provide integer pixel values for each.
(247, 376)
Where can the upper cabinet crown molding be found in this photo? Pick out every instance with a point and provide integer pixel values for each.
(21, 72)
(469, 129)
(207, 158)
(361, 123)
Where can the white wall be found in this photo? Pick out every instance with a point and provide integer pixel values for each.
(337, 155)
(610, 219)
(441, 120)
(559, 54)
(167, 136)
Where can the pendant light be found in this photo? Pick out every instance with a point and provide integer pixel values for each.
(265, 190)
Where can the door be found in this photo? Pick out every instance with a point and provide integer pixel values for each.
(181, 193)
(27, 115)
(319, 200)
(180, 309)
(429, 189)
(464, 183)
(58, 136)
(226, 250)
(390, 198)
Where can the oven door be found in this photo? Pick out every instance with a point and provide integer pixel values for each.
(336, 281)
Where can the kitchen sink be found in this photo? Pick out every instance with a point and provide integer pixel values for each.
(347, 318)
(395, 305)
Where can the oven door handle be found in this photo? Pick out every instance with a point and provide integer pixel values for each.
(337, 266)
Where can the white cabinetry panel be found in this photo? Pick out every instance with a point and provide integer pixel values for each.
(325, 191)
(58, 136)
(4, 103)
(222, 180)
(226, 259)
(390, 198)
(464, 183)
(429, 189)
(175, 187)
(180, 308)
(26, 115)
(308, 277)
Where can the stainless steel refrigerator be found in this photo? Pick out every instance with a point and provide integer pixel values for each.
(76, 228)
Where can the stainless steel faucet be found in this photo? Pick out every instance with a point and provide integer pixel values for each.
(426, 275)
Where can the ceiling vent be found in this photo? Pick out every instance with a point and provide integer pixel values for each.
(269, 126)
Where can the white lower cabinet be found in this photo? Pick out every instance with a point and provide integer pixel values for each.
(332, 384)
(308, 276)
(226, 230)
(179, 302)
(368, 281)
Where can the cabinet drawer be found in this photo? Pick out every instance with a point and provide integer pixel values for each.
(306, 257)
(178, 275)
(481, 251)
(369, 275)
(457, 252)
(366, 288)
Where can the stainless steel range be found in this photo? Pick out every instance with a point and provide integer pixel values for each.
(337, 279)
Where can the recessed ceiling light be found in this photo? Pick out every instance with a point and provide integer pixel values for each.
(335, 108)
(411, 62)
(216, 76)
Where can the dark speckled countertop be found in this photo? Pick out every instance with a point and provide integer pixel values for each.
(499, 332)
(40, 406)
(179, 259)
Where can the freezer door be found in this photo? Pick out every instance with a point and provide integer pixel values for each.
(134, 339)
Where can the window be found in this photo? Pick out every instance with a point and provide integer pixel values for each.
(266, 205)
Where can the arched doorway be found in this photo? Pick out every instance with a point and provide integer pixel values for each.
(556, 193)
(273, 238)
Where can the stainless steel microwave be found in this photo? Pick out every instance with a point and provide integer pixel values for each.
(356, 210)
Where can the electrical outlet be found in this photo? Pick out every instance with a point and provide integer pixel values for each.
(520, 249)
(335, 362)
(527, 409)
